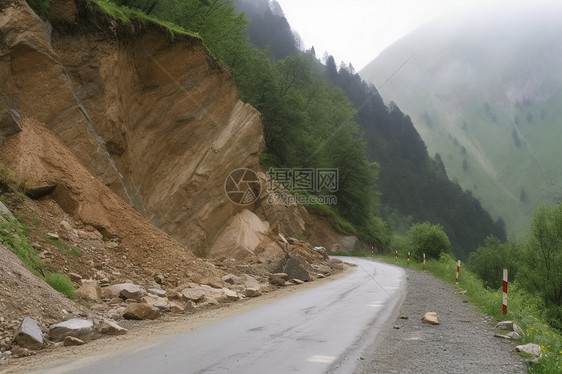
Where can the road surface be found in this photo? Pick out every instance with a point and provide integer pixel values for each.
(321, 330)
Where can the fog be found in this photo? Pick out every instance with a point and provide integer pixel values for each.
(357, 31)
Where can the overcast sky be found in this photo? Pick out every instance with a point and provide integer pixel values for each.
(357, 31)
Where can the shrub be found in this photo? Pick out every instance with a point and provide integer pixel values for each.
(429, 239)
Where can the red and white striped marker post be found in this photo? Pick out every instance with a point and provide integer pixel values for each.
(458, 269)
(424, 258)
(408, 258)
(504, 306)
(396, 256)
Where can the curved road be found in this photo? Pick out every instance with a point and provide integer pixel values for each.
(321, 330)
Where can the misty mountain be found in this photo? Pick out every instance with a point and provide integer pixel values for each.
(268, 27)
(485, 93)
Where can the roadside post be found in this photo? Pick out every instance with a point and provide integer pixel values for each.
(408, 258)
(458, 269)
(396, 259)
(424, 259)
(504, 306)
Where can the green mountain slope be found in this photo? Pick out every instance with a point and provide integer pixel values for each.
(485, 92)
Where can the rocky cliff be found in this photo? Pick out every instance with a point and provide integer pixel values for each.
(151, 115)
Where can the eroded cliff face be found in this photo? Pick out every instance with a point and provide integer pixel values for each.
(151, 115)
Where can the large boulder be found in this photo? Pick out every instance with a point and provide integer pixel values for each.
(530, 349)
(76, 327)
(124, 291)
(192, 294)
(29, 335)
(111, 328)
(241, 236)
(252, 287)
(140, 311)
(90, 290)
(162, 303)
(295, 270)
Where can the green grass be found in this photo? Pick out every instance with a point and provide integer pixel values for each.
(524, 308)
(127, 15)
(61, 283)
(71, 250)
(14, 237)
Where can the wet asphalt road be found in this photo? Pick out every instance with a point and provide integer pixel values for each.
(325, 329)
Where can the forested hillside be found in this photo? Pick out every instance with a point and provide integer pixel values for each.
(318, 116)
(412, 184)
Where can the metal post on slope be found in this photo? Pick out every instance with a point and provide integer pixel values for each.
(458, 269)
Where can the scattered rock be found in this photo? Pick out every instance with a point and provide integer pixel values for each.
(511, 335)
(179, 308)
(123, 290)
(396, 327)
(431, 318)
(322, 269)
(70, 341)
(157, 291)
(530, 349)
(18, 352)
(161, 303)
(214, 282)
(78, 328)
(252, 292)
(75, 277)
(29, 335)
(159, 279)
(193, 294)
(297, 281)
(140, 311)
(66, 225)
(111, 328)
(52, 235)
(232, 279)
(509, 326)
(90, 290)
(293, 240)
(278, 279)
(231, 295)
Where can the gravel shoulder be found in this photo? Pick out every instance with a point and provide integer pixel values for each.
(463, 342)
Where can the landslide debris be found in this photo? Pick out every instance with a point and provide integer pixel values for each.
(115, 145)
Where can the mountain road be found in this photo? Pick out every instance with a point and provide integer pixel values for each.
(320, 330)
